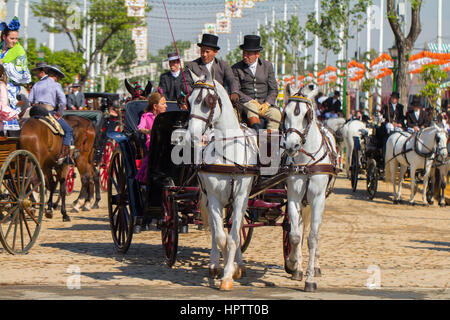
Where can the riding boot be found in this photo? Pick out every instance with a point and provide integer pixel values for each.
(64, 153)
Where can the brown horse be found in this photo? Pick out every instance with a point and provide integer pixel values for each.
(37, 138)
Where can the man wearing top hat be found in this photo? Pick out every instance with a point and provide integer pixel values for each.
(47, 93)
(75, 99)
(207, 62)
(258, 88)
(393, 113)
(417, 118)
(172, 82)
(333, 106)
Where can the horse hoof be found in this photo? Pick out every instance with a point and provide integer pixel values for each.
(237, 274)
(412, 204)
(297, 275)
(310, 286)
(85, 209)
(226, 285)
(317, 272)
(442, 205)
(396, 202)
(66, 218)
(95, 206)
(49, 214)
(243, 272)
(74, 210)
(287, 269)
(214, 273)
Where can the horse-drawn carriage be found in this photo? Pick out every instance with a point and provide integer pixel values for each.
(367, 158)
(174, 193)
(22, 197)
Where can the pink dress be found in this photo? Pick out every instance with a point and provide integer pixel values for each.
(146, 122)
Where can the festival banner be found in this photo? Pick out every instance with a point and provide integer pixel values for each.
(140, 36)
(327, 75)
(138, 12)
(210, 28)
(135, 3)
(223, 23)
(381, 66)
(248, 3)
(355, 70)
(233, 8)
(424, 58)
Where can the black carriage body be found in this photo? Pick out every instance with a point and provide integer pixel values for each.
(161, 170)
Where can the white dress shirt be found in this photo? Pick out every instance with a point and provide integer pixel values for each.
(253, 67)
(175, 74)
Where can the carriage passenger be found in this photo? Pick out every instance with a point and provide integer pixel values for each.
(6, 112)
(156, 105)
(14, 59)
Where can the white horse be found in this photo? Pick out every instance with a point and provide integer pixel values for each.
(232, 147)
(311, 150)
(349, 130)
(335, 125)
(415, 151)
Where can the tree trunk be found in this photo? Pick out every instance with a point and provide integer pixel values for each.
(402, 77)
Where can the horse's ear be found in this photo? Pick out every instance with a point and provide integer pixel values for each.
(130, 89)
(148, 89)
(194, 77)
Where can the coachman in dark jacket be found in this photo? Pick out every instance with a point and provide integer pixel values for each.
(172, 83)
(393, 112)
(417, 118)
(207, 62)
(258, 88)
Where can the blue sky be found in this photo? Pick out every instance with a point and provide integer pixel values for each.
(188, 18)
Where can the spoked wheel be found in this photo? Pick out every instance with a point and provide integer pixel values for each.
(245, 236)
(286, 243)
(372, 179)
(22, 200)
(169, 228)
(70, 180)
(354, 169)
(104, 164)
(120, 217)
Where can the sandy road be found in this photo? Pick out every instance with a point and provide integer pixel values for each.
(406, 248)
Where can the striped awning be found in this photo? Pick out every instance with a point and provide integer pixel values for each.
(435, 48)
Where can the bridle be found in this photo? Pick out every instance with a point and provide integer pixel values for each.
(210, 101)
(309, 114)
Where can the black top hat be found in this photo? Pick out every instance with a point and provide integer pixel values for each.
(209, 40)
(251, 43)
(76, 85)
(172, 56)
(395, 95)
(40, 65)
(416, 101)
(337, 93)
(56, 69)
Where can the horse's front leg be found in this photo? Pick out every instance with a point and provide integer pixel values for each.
(317, 202)
(214, 265)
(401, 178)
(51, 188)
(219, 237)
(62, 192)
(413, 184)
(426, 176)
(97, 188)
(393, 171)
(232, 270)
(294, 261)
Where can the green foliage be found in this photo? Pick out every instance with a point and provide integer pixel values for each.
(162, 53)
(433, 77)
(367, 85)
(111, 84)
(122, 43)
(234, 56)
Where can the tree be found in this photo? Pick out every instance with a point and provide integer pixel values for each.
(109, 15)
(162, 53)
(234, 56)
(433, 77)
(404, 43)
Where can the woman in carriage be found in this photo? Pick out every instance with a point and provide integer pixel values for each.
(156, 105)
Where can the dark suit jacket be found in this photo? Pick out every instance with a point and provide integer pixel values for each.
(222, 73)
(332, 107)
(77, 101)
(172, 87)
(412, 121)
(262, 87)
(392, 116)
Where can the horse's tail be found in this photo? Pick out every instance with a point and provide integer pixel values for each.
(204, 211)
(306, 217)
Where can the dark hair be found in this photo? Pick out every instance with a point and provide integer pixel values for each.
(6, 32)
(3, 75)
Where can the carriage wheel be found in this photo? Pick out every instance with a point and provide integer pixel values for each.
(21, 213)
(286, 244)
(372, 179)
(104, 164)
(354, 169)
(245, 236)
(120, 218)
(70, 180)
(169, 229)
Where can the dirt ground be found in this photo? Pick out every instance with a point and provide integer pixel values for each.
(404, 249)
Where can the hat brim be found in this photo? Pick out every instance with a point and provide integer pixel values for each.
(250, 49)
(172, 59)
(208, 45)
(62, 75)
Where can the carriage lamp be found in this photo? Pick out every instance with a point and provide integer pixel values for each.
(393, 51)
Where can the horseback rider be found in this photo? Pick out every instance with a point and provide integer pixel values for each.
(47, 93)
(417, 118)
(208, 63)
(258, 88)
(172, 83)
